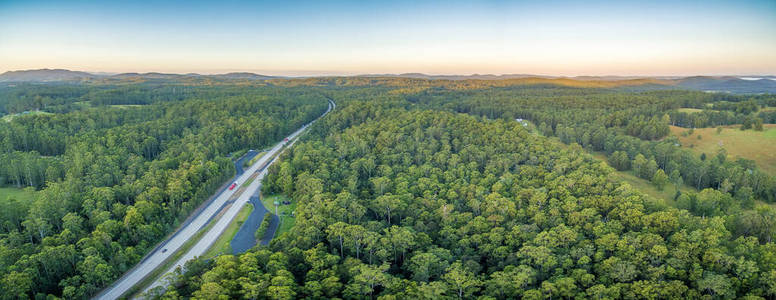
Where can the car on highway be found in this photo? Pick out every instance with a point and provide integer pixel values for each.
(231, 187)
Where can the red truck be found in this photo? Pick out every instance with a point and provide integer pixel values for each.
(231, 187)
(285, 140)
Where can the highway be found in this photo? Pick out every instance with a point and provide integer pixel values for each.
(174, 243)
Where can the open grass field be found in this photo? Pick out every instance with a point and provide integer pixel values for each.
(222, 245)
(8, 118)
(646, 186)
(759, 146)
(22, 195)
(284, 211)
(689, 110)
(83, 104)
(125, 106)
(666, 196)
(768, 108)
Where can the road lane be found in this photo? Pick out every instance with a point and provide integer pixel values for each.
(174, 243)
(212, 235)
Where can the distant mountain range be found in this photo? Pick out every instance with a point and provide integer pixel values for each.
(44, 75)
(730, 84)
(53, 75)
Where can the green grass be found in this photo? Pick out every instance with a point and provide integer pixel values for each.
(83, 104)
(254, 159)
(248, 182)
(125, 106)
(768, 108)
(22, 195)
(689, 110)
(286, 223)
(284, 211)
(665, 196)
(223, 244)
(646, 186)
(770, 133)
(759, 146)
(9, 118)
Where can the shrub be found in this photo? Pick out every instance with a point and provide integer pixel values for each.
(263, 227)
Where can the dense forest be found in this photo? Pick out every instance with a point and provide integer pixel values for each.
(629, 127)
(400, 197)
(411, 188)
(422, 204)
(114, 181)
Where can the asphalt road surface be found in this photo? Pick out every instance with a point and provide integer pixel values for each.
(167, 248)
(245, 238)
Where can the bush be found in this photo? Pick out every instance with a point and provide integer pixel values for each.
(263, 227)
(238, 154)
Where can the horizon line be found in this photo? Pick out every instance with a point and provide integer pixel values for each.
(321, 73)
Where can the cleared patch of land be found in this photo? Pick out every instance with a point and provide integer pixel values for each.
(689, 110)
(222, 245)
(666, 196)
(125, 105)
(8, 118)
(22, 195)
(287, 221)
(646, 186)
(759, 146)
(768, 108)
(83, 104)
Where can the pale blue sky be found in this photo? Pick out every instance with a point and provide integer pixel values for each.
(356, 37)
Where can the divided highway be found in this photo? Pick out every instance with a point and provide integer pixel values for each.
(174, 243)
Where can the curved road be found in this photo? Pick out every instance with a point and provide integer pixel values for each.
(173, 244)
(245, 238)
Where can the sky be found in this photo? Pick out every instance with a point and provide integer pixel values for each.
(296, 38)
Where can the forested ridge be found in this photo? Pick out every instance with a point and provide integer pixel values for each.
(411, 188)
(114, 181)
(399, 199)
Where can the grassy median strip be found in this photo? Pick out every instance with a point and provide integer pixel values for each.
(254, 159)
(223, 244)
(170, 261)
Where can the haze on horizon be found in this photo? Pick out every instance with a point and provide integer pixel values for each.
(567, 38)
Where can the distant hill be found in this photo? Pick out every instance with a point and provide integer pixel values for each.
(729, 84)
(752, 84)
(53, 75)
(154, 75)
(44, 75)
(458, 77)
(244, 75)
